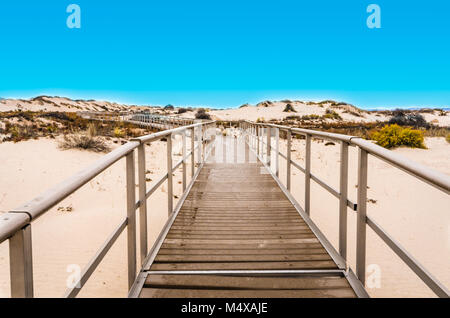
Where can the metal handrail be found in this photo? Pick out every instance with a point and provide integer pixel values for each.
(15, 225)
(437, 179)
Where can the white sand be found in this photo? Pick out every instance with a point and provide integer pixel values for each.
(414, 213)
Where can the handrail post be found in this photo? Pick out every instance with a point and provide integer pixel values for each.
(288, 159)
(308, 174)
(199, 144)
(269, 148)
(277, 151)
(169, 175)
(131, 218)
(362, 215)
(224, 148)
(204, 142)
(21, 263)
(235, 149)
(142, 202)
(343, 191)
(246, 147)
(252, 135)
(184, 159)
(192, 151)
(257, 137)
(213, 147)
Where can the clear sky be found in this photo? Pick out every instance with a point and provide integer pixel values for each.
(224, 53)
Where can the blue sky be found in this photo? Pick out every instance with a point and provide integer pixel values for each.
(221, 53)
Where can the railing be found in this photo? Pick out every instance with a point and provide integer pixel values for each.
(15, 225)
(143, 119)
(157, 121)
(256, 132)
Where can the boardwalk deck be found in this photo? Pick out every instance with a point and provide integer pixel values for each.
(238, 235)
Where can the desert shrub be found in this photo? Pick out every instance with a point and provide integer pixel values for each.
(427, 111)
(19, 133)
(182, 110)
(266, 103)
(289, 108)
(391, 136)
(331, 114)
(310, 117)
(408, 119)
(447, 138)
(201, 114)
(351, 112)
(119, 133)
(85, 140)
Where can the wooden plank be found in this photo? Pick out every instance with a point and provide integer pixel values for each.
(237, 232)
(237, 237)
(240, 258)
(239, 282)
(268, 293)
(255, 241)
(224, 218)
(237, 223)
(181, 220)
(241, 228)
(239, 215)
(240, 245)
(293, 251)
(240, 211)
(245, 265)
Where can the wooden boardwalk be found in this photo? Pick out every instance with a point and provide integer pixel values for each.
(238, 235)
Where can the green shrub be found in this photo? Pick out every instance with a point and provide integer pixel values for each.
(289, 108)
(391, 136)
(310, 117)
(119, 133)
(331, 114)
(201, 114)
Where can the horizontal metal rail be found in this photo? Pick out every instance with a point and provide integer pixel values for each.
(365, 148)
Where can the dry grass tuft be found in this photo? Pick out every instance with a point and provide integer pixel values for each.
(85, 140)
